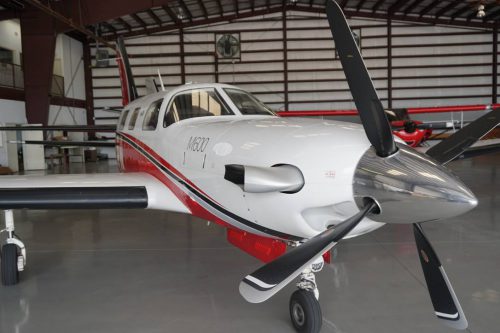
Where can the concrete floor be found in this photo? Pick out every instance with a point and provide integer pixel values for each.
(148, 271)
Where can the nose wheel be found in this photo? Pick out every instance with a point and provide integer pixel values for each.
(13, 255)
(305, 311)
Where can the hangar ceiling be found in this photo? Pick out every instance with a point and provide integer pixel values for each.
(84, 19)
(135, 17)
(186, 13)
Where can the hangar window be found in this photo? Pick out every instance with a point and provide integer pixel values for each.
(195, 103)
(247, 103)
(151, 117)
(6, 56)
(123, 120)
(133, 119)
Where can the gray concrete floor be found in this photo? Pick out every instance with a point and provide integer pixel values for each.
(148, 271)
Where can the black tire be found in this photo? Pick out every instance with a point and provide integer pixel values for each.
(305, 312)
(10, 275)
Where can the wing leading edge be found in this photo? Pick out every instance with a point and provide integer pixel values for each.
(87, 191)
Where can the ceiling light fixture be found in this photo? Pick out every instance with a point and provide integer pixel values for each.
(180, 14)
(480, 11)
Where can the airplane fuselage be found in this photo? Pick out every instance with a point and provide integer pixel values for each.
(190, 156)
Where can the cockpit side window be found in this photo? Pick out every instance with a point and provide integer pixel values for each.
(195, 103)
(133, 118)
(151, 118)
(123, 119)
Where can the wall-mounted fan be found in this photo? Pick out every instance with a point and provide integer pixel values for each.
(228, 46)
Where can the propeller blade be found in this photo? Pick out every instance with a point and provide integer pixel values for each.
(272, 277)
(444, 300)
(456, 144)
(370, 109)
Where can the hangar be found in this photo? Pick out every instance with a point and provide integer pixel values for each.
(307, 150)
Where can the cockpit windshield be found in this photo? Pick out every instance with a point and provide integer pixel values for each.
(248, 104)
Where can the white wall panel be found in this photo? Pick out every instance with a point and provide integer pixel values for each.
(312, 62)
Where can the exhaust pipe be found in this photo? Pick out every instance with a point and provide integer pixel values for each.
(282, 178)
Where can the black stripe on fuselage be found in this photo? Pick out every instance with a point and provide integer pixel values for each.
(205, 198)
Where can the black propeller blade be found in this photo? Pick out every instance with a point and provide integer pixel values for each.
(448, 149)
(370, 109)
(444, 300)
(272, 277)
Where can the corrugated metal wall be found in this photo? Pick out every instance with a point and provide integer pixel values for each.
(431, 65)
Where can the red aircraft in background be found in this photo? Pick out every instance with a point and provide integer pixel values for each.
(413, 132)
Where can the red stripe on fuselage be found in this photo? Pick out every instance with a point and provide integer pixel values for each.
(135, 161)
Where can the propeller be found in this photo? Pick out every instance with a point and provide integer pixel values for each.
(444, 300)
(370, 109)
(271, 278)
(456, 144)
(417, 189)
(378, 131)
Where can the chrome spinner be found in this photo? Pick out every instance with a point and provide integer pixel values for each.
(410, 187)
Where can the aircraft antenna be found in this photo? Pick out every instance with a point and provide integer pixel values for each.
(161, 81)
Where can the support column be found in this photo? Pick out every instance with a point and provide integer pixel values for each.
(181, 49)
(494, 81)
(38, 34)
(89, 93)
(285, 59)
(389, 63)
(216, 67)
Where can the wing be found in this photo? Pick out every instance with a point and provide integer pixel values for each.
(87, 191)
(67, 128)
(66, 143)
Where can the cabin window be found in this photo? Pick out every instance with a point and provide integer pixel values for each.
(133, 119)
(121, 125)
(151, 117)
(195, 103)
(247, 103)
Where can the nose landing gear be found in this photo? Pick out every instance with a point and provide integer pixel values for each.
(13, 254)
(305, 311)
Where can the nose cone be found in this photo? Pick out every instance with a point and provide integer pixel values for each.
(410, 187)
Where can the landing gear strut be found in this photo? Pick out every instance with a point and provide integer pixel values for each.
(13, 254)
(305, 311)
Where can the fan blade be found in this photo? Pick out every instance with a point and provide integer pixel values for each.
(456, 144)
(444, 300)
(370, 109)
(272, 277)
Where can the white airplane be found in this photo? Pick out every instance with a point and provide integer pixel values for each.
(216, 152)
